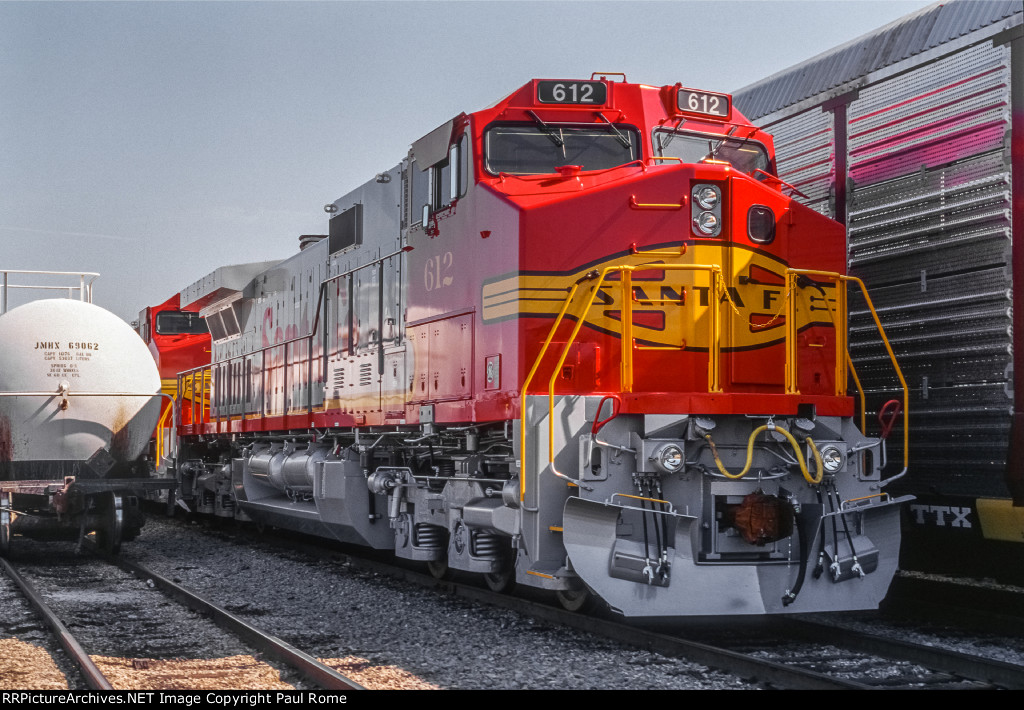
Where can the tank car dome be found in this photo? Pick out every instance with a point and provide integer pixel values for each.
(48, 346)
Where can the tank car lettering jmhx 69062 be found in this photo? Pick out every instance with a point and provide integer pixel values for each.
(79, 397)
(583, 340)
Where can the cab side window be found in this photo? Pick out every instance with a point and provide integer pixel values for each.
(447, 180)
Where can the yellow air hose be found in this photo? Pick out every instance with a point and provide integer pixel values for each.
(750, 455)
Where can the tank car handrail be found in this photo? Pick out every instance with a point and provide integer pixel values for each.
(84, 287)
(792, 275)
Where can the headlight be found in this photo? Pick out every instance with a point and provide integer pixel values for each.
(707, 197)
(831, 458)
(707, 222)
(668, 458)
(706, 206)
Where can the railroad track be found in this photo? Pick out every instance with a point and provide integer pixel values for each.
(778, 652)
(99, 603)
(787, 652)
(994, 608)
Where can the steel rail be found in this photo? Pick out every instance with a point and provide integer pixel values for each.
(1005, 675)
(307, 666)
(94, 677)
(764, 671)
(771, 673)
(751, 668)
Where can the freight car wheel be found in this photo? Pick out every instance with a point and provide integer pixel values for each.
(111, 530)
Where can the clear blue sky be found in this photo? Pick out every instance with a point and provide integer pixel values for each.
(156, 141)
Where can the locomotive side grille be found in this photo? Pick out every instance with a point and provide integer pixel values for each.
(365, 374)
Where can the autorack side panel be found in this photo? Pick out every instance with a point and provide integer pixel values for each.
(929, 225)
(928, 197)
(928, 145)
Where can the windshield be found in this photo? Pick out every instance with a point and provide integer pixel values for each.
(179, 323)
(539, 149)
(744, 155)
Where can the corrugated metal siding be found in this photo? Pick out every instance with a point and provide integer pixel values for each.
(929, 228)
(936, 114)
(805, 153)
(896, 42)
(929, 224)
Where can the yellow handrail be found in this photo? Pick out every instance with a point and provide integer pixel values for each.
(860, 395)
(526, 384)
(160, 433)
(792, 276)
(841, 347)
(626, 384)
(716, 282)
(896, 366)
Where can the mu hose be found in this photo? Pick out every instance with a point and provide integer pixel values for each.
(750, 455)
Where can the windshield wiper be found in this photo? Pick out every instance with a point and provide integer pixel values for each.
(713, 149)
(548, 131)
(665, 138)
(618, 134)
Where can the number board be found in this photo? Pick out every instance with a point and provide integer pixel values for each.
(571, 92)
(704, 103)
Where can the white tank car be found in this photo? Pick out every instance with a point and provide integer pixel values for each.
(78, 406)
(76, 353)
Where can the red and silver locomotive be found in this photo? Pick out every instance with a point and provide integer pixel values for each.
(581, 340)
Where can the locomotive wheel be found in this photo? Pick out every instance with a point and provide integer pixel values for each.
(439, 569)
(575, 599)
(502, 580)
(111, 530)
